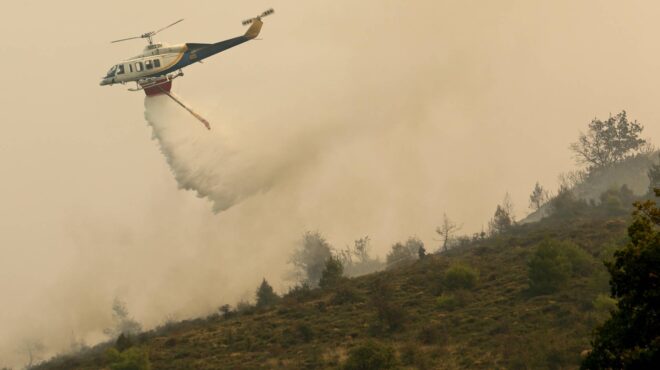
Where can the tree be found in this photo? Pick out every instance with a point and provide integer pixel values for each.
(630, 338)
(446, 231)
(503, 218)
(332, 273)
(538, 197)
(123, 322)
(33, 350)
(608, 142)
(309, 259)
(654, 176)
(356, 260)
(421, 252)
(265, 295)
(404, 252)
(500, 222)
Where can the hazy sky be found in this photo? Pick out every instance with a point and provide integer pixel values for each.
(383, 115)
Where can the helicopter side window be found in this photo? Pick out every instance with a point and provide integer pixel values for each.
(130, 68)
(147, 63)
(120, 69)
(156, 63)
(138, 67)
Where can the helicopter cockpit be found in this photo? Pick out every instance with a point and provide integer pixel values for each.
(111, 72)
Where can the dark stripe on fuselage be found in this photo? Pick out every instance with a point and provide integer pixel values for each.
(197, 52)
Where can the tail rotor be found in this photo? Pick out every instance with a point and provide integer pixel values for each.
(264, 14)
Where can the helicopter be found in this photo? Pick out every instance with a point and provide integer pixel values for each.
(159, 64)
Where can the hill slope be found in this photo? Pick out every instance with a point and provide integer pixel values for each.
(497, 323)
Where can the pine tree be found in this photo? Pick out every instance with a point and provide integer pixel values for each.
(265, 295)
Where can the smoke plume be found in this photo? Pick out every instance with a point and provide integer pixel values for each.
(226, 165)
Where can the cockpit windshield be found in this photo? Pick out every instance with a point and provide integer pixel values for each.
(111, 72)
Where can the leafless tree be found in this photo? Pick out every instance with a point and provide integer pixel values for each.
(447, 230)
(33, 349)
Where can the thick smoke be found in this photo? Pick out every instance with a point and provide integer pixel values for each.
(226, 165)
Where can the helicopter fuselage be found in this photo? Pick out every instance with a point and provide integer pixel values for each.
(158, 60)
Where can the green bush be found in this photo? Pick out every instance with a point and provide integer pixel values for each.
(344, 294)
(448, 302)
(460, 277)
(553, 264)
(131, 359)
(549, 268)
(370, 356)
(582, 263)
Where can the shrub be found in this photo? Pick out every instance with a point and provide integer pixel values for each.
(131, 359)
(124, 342)
(581, 262)
(305, 331)
(370, 356)
(549, 268)
(390, 315)
(460, 277)
(412, 355)
(448, 302)
(553, 263)
(431, 334)
(345, 294)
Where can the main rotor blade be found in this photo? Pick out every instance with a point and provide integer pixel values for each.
(130, 38)
(155, 32)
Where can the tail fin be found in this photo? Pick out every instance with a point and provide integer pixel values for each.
(254, 29)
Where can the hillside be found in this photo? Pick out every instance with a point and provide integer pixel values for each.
(495, 323)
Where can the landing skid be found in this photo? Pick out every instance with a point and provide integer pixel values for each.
(155, 82)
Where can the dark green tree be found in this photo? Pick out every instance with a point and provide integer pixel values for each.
(501, 221)
(421, 252)
(630, 338)
(608, 142)
(654, 177)
(265, 295)
(332, 273)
